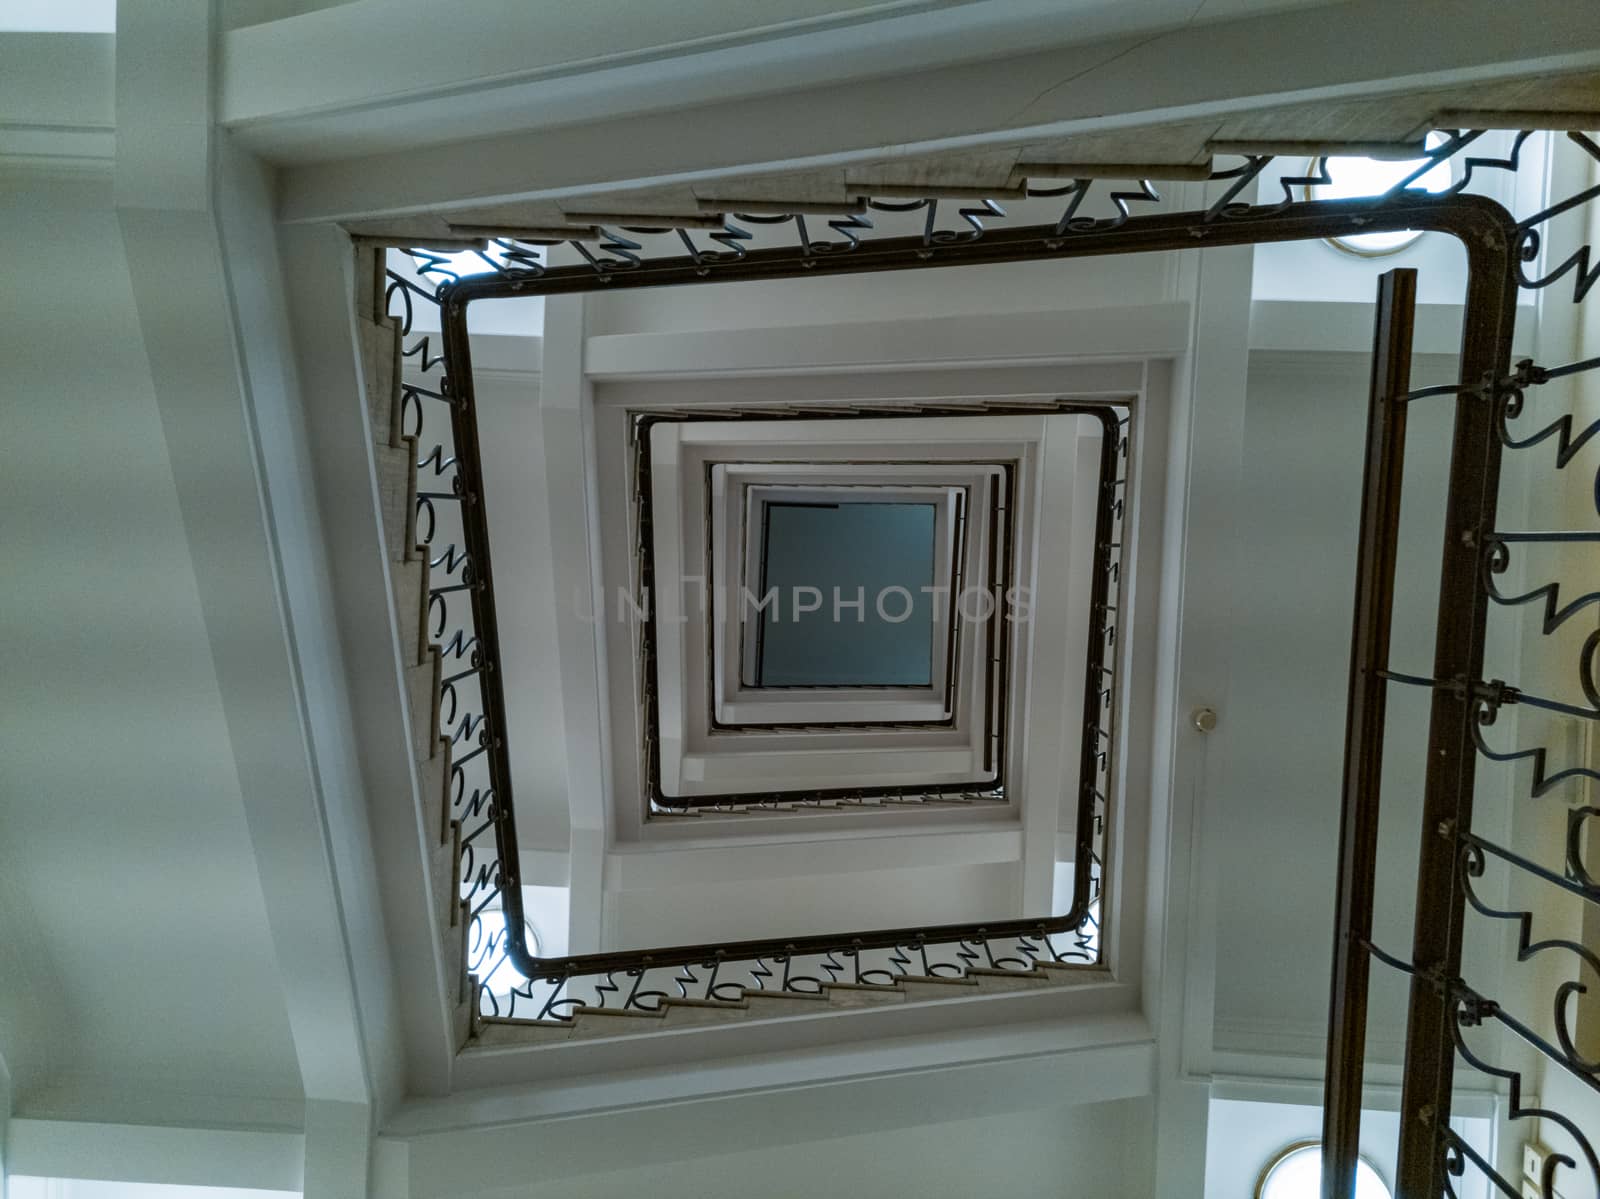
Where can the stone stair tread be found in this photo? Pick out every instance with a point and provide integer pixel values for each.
(410, 580)
(861, 986)
(397, 495)
(461, 929)
(435, 779)
(422, 682)
(524, 1022)
(381, 357)
(609, 1021)
(862, 994)
(990, 979)
(622, 1013)
(937, 979)
(444, 870)
(791, 999)
(685, 1012)
(718, 1004)
(462, 1015)
(495, 1030)
(1002, 972)
(455, 869)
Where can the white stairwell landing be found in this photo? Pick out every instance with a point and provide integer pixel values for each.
(396, 459)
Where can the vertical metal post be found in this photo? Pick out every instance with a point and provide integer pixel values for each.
(1364, 719)
(1452, 755)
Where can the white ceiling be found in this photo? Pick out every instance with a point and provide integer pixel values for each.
(58, 16)
(378, 74)
(133, 913)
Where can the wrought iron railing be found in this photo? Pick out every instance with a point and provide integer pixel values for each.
(452, 523)
(1449, 1008)
(1489, 401)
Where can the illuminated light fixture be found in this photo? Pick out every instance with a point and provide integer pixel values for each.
(1295, 1172)
(1358, 178)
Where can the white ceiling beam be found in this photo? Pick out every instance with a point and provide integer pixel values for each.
(409, 71)
(209, 302)
(338, 1150)
(56, 104)
(642, 1117)
(1334, 52)
(268, 1159)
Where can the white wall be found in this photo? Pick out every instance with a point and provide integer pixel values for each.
(695, 913)
(511, 438)
(1290, 635)
(135, 961)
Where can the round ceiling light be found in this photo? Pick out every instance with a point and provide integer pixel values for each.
(1355, 178)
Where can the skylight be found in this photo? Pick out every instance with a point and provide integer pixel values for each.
(869, 567)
